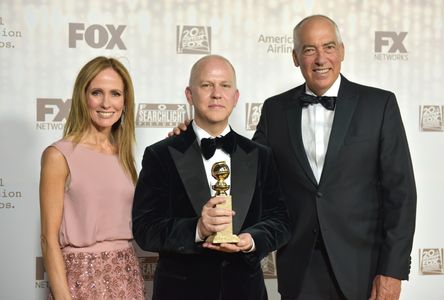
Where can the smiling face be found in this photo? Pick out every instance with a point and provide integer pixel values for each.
(319, 54)
(105, 99)
(213, 93)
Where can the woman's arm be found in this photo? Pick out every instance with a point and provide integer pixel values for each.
(53, 176)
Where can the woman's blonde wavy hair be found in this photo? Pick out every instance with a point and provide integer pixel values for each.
(79, 120)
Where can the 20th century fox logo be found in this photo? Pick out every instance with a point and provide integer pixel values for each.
(431, 261)
(162, 115)
(268, 265)
(253, 114)
(431, 118)
(193, 39)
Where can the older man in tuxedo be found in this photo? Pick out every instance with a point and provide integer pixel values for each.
(174, 212)
(342, 154)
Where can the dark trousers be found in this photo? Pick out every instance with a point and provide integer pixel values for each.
(319, 281)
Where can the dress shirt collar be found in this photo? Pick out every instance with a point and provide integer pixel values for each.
(331, 92)
(201, 133)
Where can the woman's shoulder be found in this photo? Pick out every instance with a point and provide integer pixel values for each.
(52, 156)
(59, 148)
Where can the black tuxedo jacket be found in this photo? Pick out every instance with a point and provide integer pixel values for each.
(364, 205)
(170, 193)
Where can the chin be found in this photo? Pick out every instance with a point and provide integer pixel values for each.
(105, 124)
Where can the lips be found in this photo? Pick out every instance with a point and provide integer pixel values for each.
(105, 114)
(216, 106)
(321, 71)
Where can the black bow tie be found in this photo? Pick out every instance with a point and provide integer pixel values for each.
(209, 146)
(327, 102)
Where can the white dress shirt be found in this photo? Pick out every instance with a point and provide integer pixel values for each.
(316, 126)
(219, 155)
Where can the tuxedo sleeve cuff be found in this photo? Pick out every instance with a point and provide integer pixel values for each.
(253, 247)
(197, 238)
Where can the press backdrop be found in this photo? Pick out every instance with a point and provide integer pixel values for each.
(396, 45)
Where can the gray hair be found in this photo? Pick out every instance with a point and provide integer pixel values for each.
(298, 26)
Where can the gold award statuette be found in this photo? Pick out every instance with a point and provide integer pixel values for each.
(220, 172)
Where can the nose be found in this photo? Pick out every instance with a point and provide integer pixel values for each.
(320, 57)
(106, 101)
(216, 92)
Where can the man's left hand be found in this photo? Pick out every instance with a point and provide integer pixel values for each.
(385, 288)
(245, 244)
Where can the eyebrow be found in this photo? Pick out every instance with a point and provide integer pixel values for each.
(324, 44)
(330, 43)
(212, 81)
(101, 89)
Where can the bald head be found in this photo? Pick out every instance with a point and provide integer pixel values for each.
(197, 67)
(212, 92)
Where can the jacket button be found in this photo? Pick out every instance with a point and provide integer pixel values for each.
(319, 194)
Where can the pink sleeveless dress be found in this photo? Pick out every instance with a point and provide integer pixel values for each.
(95, 233)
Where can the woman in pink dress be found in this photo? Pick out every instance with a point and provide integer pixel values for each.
(86, 191)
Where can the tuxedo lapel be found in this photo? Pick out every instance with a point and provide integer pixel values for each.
(243, 183)
(345, 107)
(188, 160)
(189, 164)
(294, 115)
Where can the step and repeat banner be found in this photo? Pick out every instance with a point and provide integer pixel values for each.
(394, 45)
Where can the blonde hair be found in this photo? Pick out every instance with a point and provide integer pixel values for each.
(79, 120)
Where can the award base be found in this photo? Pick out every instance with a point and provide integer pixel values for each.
(226, 235)
(222, 238)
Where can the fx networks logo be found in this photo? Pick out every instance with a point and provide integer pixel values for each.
(389, 45)
(162, 115)
(431, 261)
(97, 36)
(431, 118)
(193, 39)
(253, 114)
(52, 113)
(41, 280)
(148, 265)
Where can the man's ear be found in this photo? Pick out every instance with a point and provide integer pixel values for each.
(189, 95)
(236, 97)
(295, 58)
(342, 51)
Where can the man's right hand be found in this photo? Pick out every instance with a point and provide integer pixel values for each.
(213, 219)
(181, 127)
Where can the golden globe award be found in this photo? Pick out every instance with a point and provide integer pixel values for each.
(220, 172)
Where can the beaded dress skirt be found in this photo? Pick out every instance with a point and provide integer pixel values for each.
(104, 275)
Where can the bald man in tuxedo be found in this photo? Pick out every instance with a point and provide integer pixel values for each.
(174, 211)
